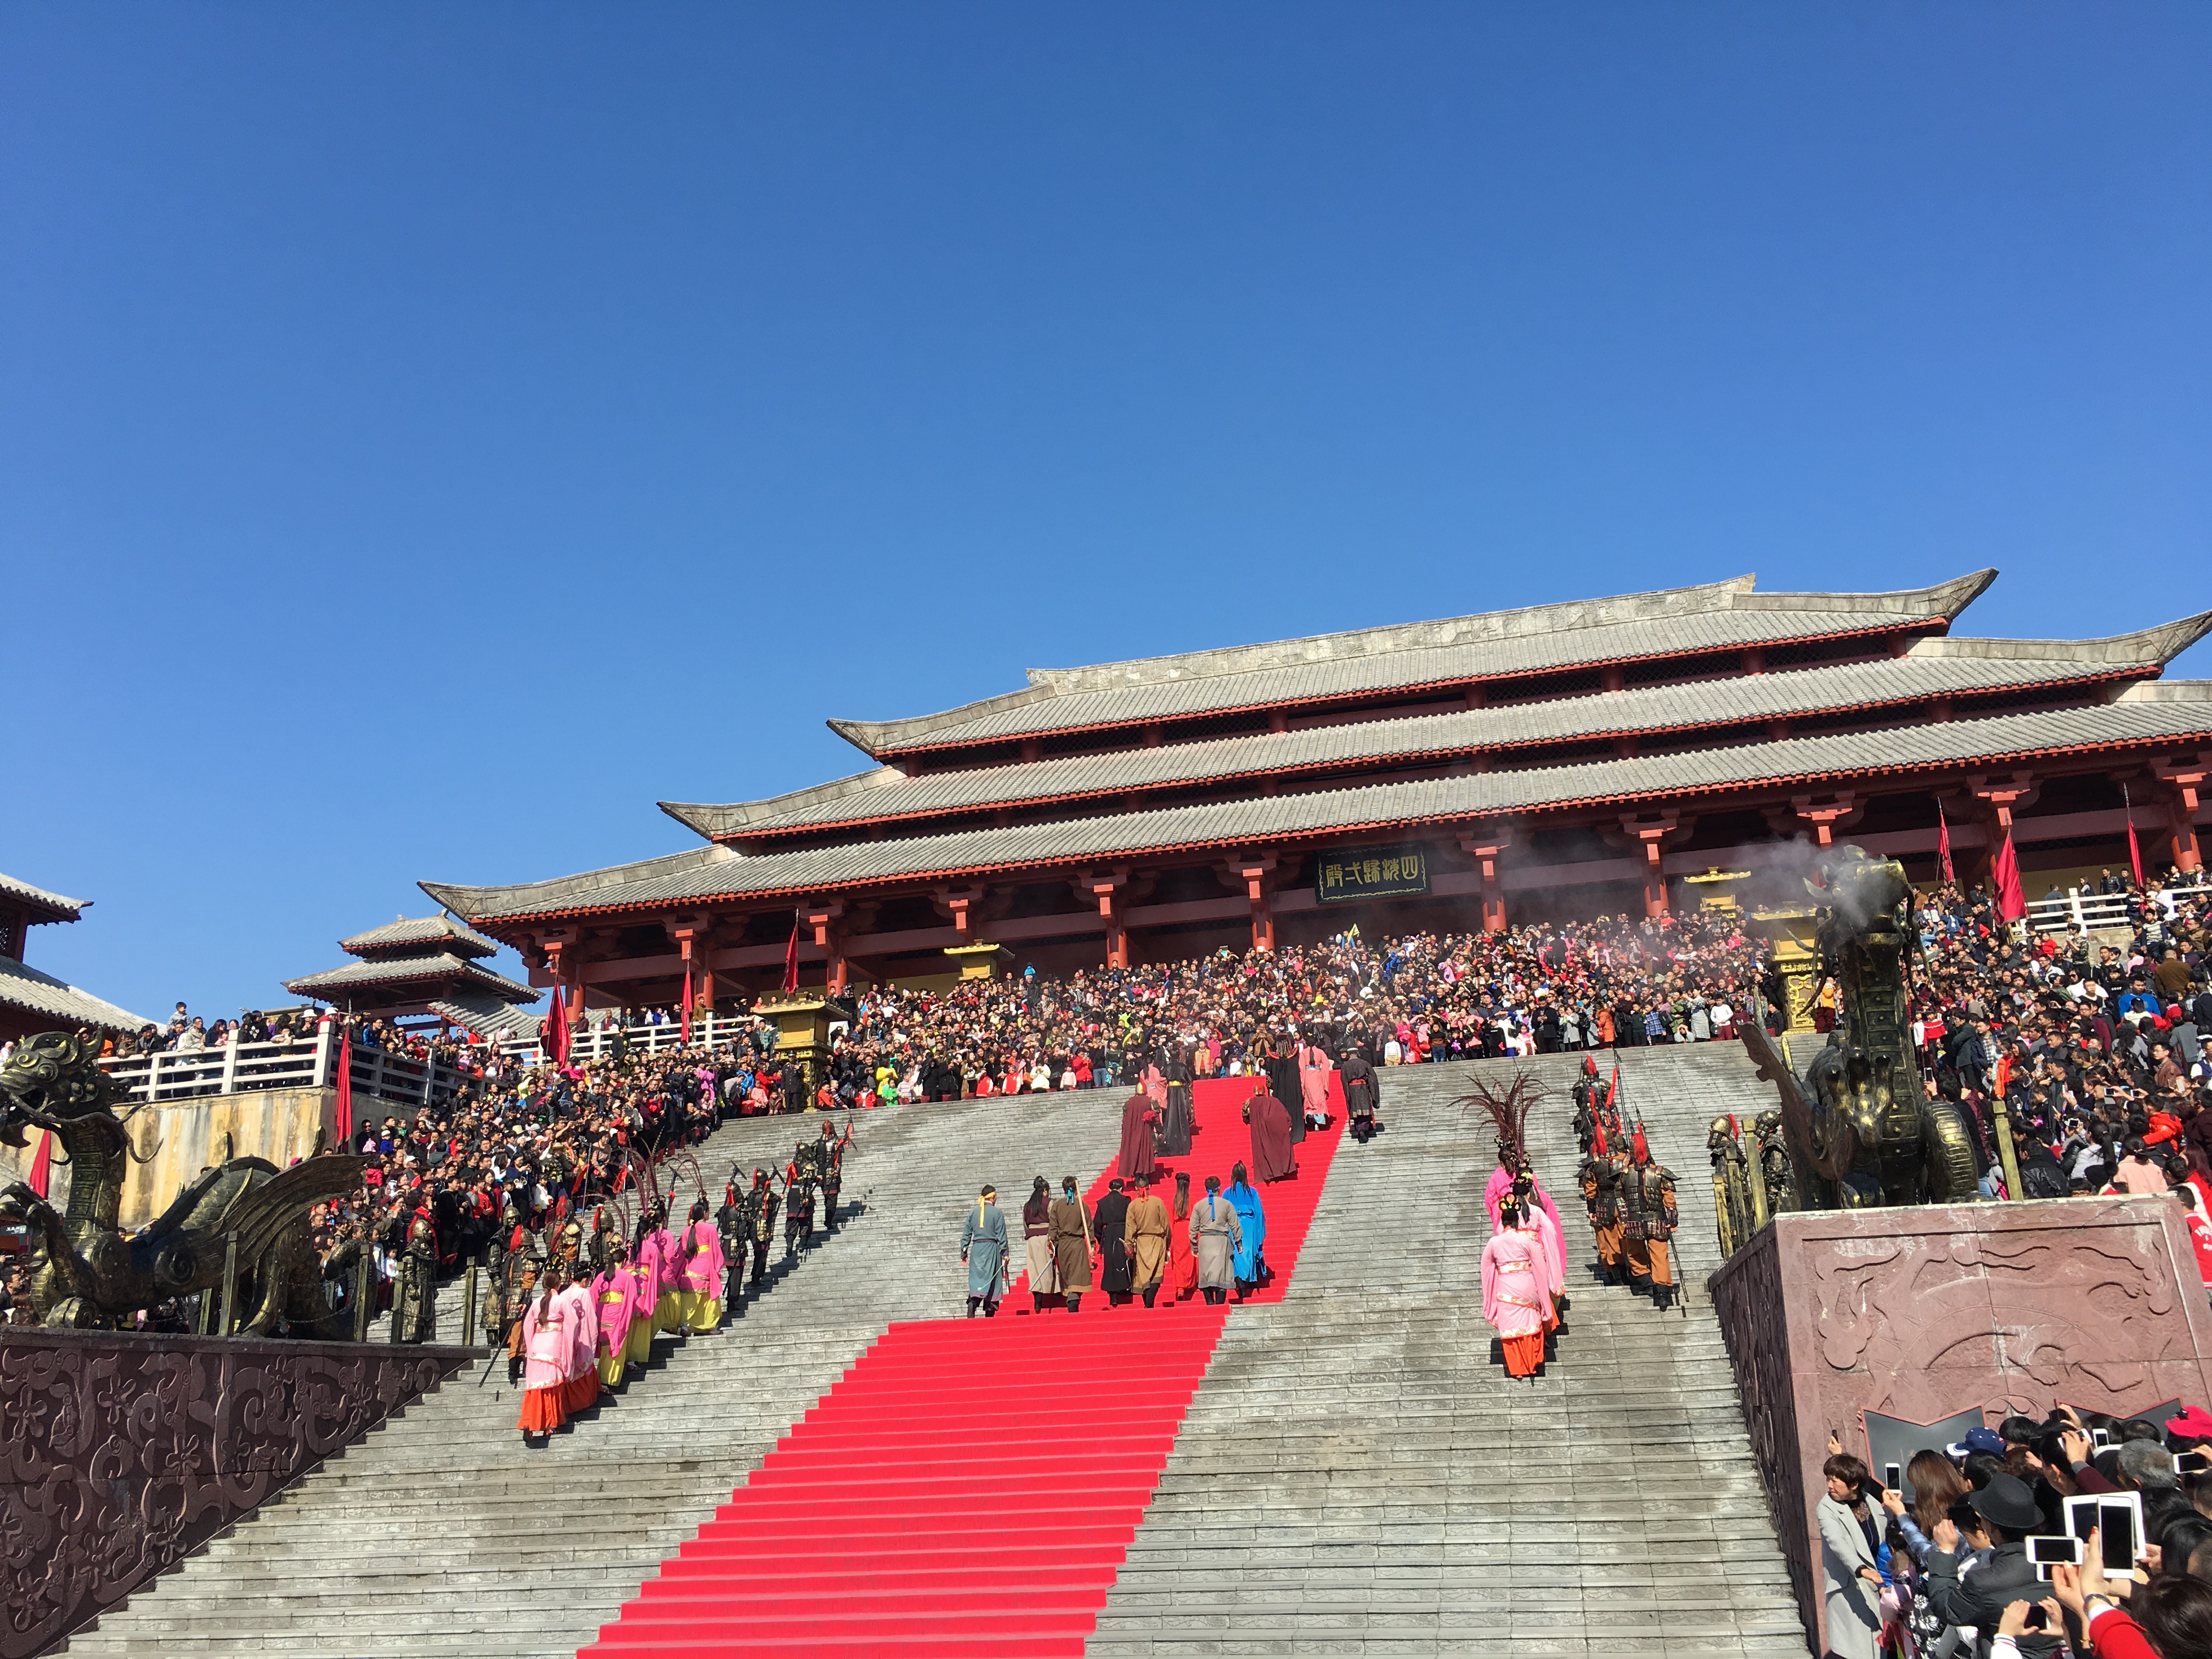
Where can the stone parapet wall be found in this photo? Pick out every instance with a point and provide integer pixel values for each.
(178, 1138)
(1922, 1314)
(125, 1453)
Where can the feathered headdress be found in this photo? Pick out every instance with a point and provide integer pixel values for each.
(1508, 1106)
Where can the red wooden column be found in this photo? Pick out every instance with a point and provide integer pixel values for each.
(2186, 780)
(1105, 889)
(826, 921)
(564, 961)
(1257, 874)
(1653, 833)
(2003, 796)
(1486, 847)
(694, 937)
(959, 903)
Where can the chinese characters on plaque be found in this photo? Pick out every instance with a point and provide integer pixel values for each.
(1370, 873)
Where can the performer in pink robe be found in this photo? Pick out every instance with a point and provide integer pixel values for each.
(644, 1318)
(1501, 1185)
(614, 1294)
(1314, 1068)
(668, 1269)
(702, 1267)
(1516, 1294)
(583, 1385)
(545, 1347)
(1156, 1085)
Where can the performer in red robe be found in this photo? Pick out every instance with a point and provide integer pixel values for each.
(1182, 1261)
(1272, 1156)
(1137, 1158)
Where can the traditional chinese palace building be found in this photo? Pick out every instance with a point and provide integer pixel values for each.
(1557, 761)
(31, 1001)
(423, 965)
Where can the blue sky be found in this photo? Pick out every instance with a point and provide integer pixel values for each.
(428, 436)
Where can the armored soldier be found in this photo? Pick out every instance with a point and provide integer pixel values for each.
(760, 1211)
(1601, 1185)
(829, 1168)
(1647, 1190)
(736, 1229)
(1585, 1094)
(418, 1316)
(798, 1178)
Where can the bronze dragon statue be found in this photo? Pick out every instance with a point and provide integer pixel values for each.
(1859, 1129)
(89, 1273)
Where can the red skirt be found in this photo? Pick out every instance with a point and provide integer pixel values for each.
(1522, 1354)
(542, 1409)
(582, 1391)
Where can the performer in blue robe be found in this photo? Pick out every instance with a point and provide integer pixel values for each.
(1252, 1226)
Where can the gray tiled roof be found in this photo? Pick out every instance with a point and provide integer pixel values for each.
(384, 970)
(64, 909)
(61, 1002)
(2176, 714)
(1723, 615)
(887, 792)
(440, 930)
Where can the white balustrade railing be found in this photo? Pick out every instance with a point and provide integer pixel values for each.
(2077, 913)
(595, 1040)
(308, 1063)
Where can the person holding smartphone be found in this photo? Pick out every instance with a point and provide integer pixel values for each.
(2011, 1513)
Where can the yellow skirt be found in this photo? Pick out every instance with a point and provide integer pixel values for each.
(638, 1348)
(702, 1312)
(612, 1365)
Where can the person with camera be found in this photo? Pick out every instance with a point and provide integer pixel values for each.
(2009, 1513)
(1851, 1539)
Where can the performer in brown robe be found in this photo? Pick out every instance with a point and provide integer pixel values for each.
(1070, 1244)
(1146, 1232)
(1272, 1156)
(1137, 1158)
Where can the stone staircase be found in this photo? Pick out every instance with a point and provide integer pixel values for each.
(1357, 1475)
(442, 1534)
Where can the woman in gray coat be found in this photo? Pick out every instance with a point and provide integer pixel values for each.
(1852, 1582)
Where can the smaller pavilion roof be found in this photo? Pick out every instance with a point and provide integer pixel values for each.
(38, 899)
(413, 932)
(62, 1002)
(436, 970)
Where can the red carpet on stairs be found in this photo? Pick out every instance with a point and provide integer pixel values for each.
(968, 1486)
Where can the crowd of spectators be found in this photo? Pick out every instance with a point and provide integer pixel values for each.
(1944, 1567)
(2094, 1043)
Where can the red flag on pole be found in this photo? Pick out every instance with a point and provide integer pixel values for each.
(553, 1035)
(343, 1111)
(1943, 844)
(687, 1003)
(2134, 846)
(791, 958)
(42, 1163)
(2012, 903)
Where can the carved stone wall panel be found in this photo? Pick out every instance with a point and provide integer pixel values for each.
(121, 1454)
(1922, 1313)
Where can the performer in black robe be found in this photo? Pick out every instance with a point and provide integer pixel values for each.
(1108, 1223)
(1174, 1125)
(1283, 1083)
(1136, 1138)
(1358, 1078)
